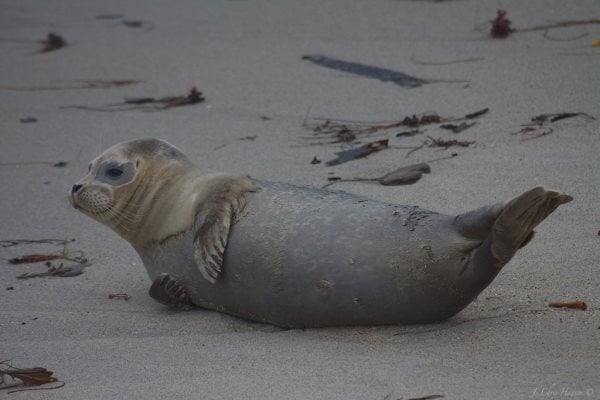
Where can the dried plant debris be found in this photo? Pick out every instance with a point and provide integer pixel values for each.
(16, 242)
(123, 296)
(344, 131)
(139, 24)
(34, 258)
(52, 42)
(58, 164)
(541, 125)
(439, 142)
(80, 262)
(459, 61)
(410, 132)
(477, 114)
(12, 377)
(77, 256)
(130, 23)
(579, 305)
(194, 96)
(500, 26)
(358, 152)
(463, 126)
(61, 270)
(341, 131)
(248, 138)
(28, 120)
(77, 84)
(382, 74)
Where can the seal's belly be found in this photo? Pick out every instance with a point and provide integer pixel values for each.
(307, 257)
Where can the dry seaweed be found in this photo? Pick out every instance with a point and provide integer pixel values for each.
(562, 24)
(123, 296)
(28, 120)
(369, 71)
(477, 114)
(500, 26)
(358, 152)
(52, 42)
(77, 257)
(138, 24)
(78, 84)
(25, 377)
(579, 305)
(63, 271)
(58, 164)
(463, 126)
(439, 142)
(459, 61)
(569, 39)
(341, 131)
(410, 132)
(148, 103)
(345, 131)
(35, 258)
(16, 242)
(540, 125)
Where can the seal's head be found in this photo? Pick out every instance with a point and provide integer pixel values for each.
(132, 186)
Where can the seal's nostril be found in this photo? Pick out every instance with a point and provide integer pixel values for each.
(76, 188)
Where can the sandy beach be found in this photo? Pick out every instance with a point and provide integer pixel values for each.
(263, 101)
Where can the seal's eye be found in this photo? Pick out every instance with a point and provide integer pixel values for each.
(114, 172)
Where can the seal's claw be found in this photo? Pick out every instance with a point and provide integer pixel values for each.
(170, 292)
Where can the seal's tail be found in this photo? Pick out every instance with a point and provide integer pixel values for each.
(509, 226)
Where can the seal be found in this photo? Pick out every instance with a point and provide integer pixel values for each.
(298, 256)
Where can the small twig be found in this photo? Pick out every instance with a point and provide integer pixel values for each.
(415, 149)
(459, 61)
(194, 96)
(580, 305)
(563, 24)
(15, 242)
(80, 84)
(61, 384)
(123, 296)
(58, 164)
(565, 39)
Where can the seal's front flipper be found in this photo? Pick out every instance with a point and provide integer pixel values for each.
(505, 228)
(170, 292)
(214, 218)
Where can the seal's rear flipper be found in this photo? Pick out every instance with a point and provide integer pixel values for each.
(505, 228)
(169, 292)
(515, 224)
